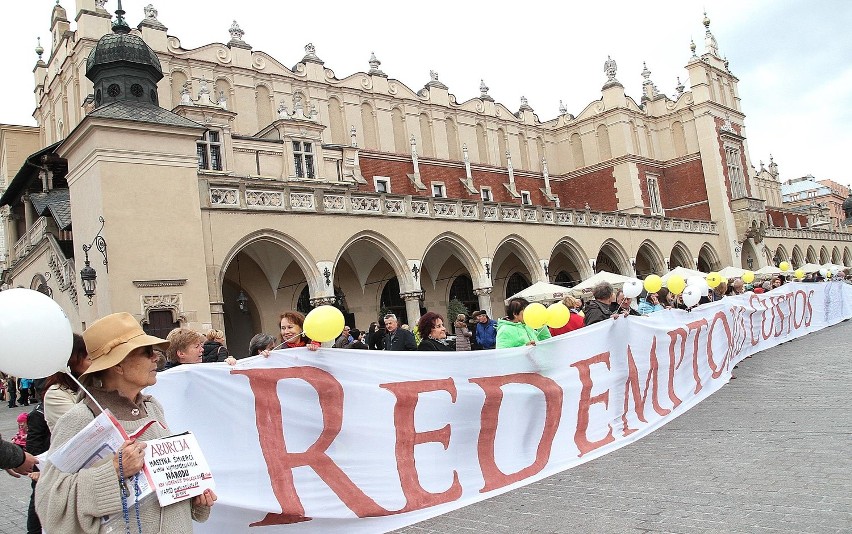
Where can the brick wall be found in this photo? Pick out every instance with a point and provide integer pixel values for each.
(777, 218)
(597, 188)
(680, 185)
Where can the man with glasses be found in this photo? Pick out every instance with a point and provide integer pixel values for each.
(397, 338)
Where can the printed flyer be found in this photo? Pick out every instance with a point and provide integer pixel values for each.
(178, 468)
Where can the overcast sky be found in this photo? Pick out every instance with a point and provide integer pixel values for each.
(793, 58)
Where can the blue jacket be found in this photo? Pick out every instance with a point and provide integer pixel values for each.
(486, 334)
(646, 308)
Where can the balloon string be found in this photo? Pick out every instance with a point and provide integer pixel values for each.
(86, 391)
(288, 340)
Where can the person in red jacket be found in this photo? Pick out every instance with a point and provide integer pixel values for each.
(575, 321)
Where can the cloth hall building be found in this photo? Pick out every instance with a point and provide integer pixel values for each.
(219, 187)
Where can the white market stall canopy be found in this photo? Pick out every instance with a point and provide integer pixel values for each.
(586, 285)
(768, 270)
(542, 292)
(732, 272)
(683, 272)
(810, 267)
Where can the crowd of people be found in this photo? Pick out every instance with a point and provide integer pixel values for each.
(115, 359)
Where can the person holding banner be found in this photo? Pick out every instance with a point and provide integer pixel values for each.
(433, 333)
(292, 332)
(122, 364)
(513, 331)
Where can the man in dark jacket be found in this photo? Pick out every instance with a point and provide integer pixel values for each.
(13, 457)
(397, 338)
(599, 309)
(486, 330)
(38, 441)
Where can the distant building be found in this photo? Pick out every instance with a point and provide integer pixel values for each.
(217, 186)
(808, 193)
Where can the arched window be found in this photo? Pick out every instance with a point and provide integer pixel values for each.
(482, 143)
(337, 121)
(501, 147)
(604, 148)
(368, 126)
(391, 302)
(400, 141)
(428, 146)
(462, 290)
(577, 151)
(453, 140)
(679, 139)
(264, 107)
(516, 283)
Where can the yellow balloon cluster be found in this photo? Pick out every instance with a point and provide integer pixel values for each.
(324, 323)
(558, 315)
(652, 283)
(535, 315)
(799, 274)
(784, 266)
(676, 284)
(748, 277)
(713, 280)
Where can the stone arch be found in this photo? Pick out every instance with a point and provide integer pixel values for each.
(649, 259)
(368, 126)
(223, 88)
(448, 244)
(400, 139)
(177, 80)
(481, 143)
(835, 256)
(613, 258)
(501, 147)
(426, 140)
(681, 257)
(512, 255)
(453, 147)
(525, 151)
(811, 255)
(847, 257)
(708, 259)
(750, 258)
(387, 250)
(780, 255)
(337, 121)
(678, 139)
(264, 104)
(576, 143)
(823, 255)
(797, 258)
(604, 147)
(569, 257)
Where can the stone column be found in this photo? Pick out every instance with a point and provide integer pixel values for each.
(412, 306)
(217, 315)
(484, 295)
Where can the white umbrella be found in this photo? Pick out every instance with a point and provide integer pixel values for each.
(542, 292)
(683, 272)
(586, 285)
(810, 267)
(768, 270)
(732, 272)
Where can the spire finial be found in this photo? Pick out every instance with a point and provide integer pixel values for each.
(38, 49)
(692, 47)
(483, 91)
(680, 87)
(120, 25)
(563, 110)
(374, 66)
(610, 67)
(710, 44)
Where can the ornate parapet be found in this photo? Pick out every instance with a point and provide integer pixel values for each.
(337, 200)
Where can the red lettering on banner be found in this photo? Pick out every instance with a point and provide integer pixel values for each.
(768, 316)
(673, 367)
(632, 386)
(717, 371)
(696, 326)
(407, 394)
(810, 311)
(492, 386)
(280, 462)
(798, 321)
(586, 401)
(751, 299)
(739, 331)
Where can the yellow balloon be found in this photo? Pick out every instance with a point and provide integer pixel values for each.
(652, 283)
(784, 266)
(829, 274)
(558, 315)
(713, 280)
(535, 315)
(676, 284)
(799, 274)
(324, 323)
(748, 277)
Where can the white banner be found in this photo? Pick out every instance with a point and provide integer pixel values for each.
(368, 441)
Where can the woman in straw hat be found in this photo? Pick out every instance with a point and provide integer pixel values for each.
(122, 364)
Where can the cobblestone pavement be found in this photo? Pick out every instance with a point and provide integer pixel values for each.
(769, 452)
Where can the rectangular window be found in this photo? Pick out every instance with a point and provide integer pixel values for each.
(303, 159)
(485, 193)
(209, 151)
(735, 172)
(382, 184)
(438, 190)
(654, 195)
(526, 199)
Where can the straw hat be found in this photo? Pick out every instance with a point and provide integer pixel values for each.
(110, 339)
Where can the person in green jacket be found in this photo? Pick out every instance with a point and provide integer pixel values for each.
(513, 332)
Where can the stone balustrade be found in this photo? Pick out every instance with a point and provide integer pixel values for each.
(299, 199)
(27, 241)
(805, 233)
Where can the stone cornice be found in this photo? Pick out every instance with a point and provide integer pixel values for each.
(176, 282)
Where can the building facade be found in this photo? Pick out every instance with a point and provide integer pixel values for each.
(227, 188)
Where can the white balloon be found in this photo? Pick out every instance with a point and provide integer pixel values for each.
(691, 295)
(632, 288)
(823, 272)
(692, 280)
(35, 334)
